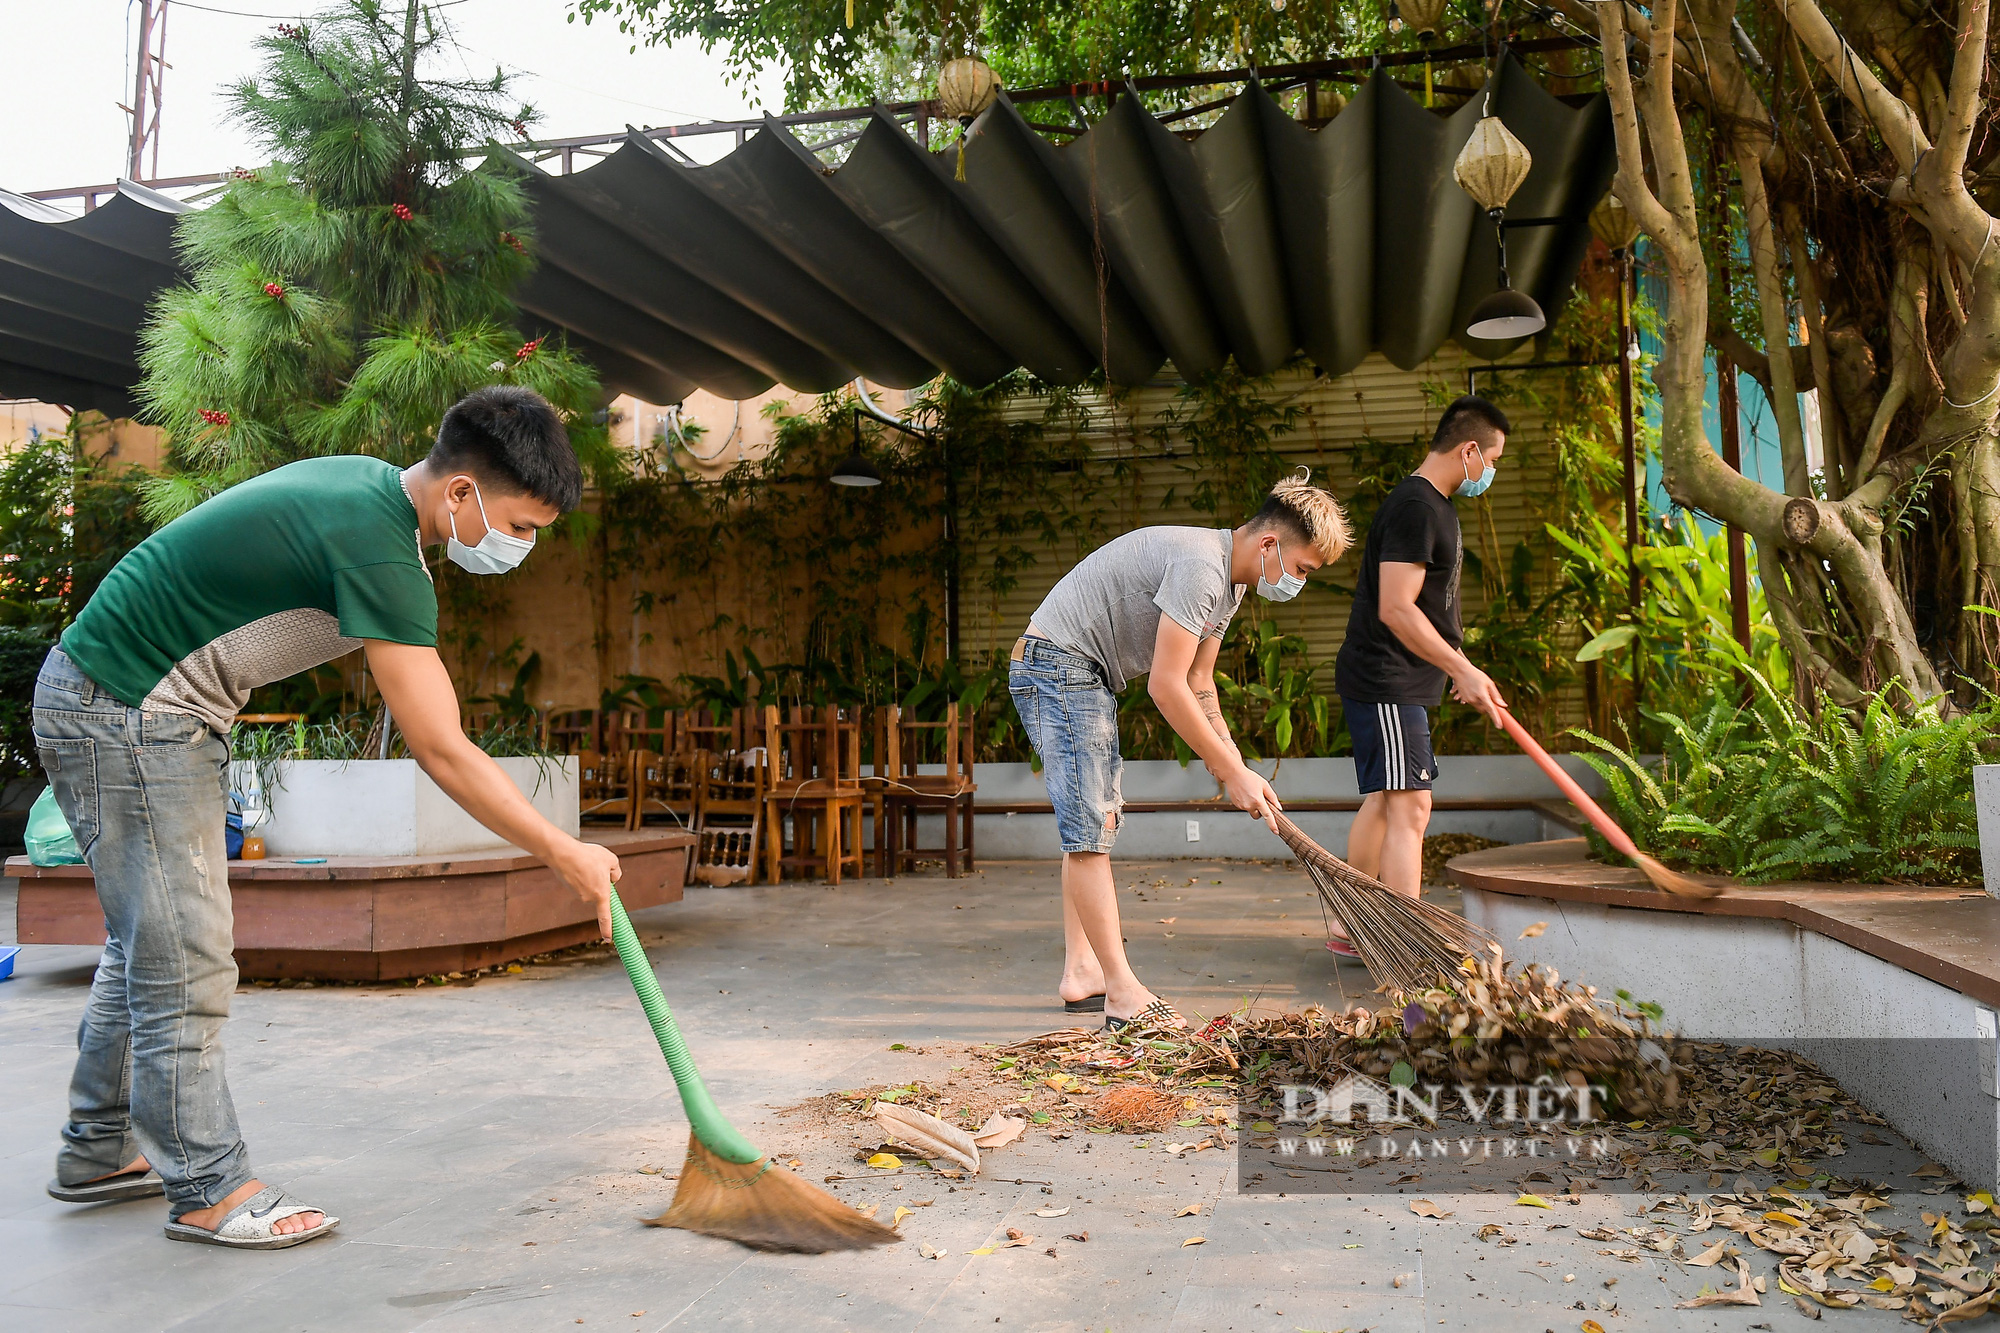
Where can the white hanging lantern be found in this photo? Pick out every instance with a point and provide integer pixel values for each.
(966, 87)
(1492, 164)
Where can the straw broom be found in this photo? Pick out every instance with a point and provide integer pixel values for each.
(1406, 943)
(1667, 881)
(728, 1187)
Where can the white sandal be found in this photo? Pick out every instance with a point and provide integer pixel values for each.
(248, 1226)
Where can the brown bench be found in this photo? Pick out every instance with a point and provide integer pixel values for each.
(357, 918)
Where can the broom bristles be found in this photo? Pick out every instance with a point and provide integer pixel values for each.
(1673, 881)
(1406, 943)
(764, 1206)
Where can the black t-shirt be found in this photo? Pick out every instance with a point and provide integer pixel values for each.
(1415, 526)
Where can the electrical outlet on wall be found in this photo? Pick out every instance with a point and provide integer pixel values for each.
(1194, 830)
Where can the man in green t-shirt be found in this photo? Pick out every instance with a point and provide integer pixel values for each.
(273, 576)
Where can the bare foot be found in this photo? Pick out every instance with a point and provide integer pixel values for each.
(140, 1166)
(1126, 1002)
(1080, 985)
(208, 1219)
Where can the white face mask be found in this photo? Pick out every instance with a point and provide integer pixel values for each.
(496, 553)
(1288, 584)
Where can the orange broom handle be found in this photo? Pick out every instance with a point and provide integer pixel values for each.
(1568, 786)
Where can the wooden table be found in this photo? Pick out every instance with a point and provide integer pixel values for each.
(359, 918)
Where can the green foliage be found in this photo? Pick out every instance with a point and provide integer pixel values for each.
(345, 295)
(21, 652)
(66, 517)
(894, 47)
(1767, 790)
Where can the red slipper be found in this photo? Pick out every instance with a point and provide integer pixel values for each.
(1341, 947)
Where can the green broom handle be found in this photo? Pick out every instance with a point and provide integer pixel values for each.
(709, 1125)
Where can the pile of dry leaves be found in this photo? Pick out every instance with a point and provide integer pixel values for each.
(1687, 1106)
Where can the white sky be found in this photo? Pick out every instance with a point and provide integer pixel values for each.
(67, 68)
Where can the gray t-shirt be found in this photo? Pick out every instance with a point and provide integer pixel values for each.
(1108, 608)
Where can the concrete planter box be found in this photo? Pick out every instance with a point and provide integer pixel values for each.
(1890, 988)
(1492, 796)
(389, 807)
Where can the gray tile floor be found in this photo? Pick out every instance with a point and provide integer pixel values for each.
(483, 1144)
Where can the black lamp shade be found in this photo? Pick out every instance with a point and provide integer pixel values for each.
(1506, 314)
(855, 470)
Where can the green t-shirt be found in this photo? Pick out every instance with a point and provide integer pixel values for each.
(281, 573)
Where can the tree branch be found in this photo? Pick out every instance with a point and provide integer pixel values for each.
(1963, 104)
(1633, 192)
(1894, 117)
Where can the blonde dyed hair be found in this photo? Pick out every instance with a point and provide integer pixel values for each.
(1309, 510)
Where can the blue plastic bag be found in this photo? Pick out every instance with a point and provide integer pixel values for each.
(50, 843)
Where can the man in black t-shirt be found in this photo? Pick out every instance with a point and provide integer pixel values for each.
(1403, 642)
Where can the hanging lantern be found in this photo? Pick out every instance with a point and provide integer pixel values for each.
(966, 87)
(1612, 224)
(1427, 18)
(1492, 164)
(1490, 168)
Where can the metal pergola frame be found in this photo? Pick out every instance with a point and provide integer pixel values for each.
(917, 116)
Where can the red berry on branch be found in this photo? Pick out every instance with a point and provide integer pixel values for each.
(402, 212)
(513, 242)
(214, 418)
(274, 291)
(527, 350)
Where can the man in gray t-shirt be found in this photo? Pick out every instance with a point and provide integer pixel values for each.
(1153, 603)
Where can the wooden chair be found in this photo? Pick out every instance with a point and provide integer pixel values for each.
(573, 731)
(905, 793)
(731, 800)
(604, 787)
(816, 786)
(666, 784)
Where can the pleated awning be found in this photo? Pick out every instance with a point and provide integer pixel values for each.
(1128, 247)
(73, 292)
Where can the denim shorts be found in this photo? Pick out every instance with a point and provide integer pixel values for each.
(1072, 720)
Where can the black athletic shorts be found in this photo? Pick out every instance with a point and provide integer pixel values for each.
(1392, 746)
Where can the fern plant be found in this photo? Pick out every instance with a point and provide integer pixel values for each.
(1766, 791)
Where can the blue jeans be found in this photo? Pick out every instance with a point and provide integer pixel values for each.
(1072, 721)
(144, 795)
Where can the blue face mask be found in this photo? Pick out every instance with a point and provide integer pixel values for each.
(1475, 486)
(1288, 584)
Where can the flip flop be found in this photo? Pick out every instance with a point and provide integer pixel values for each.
(1341, 947)
(116, 1189)
(248, 1226)
(1157, 1014)
(1089, 1004)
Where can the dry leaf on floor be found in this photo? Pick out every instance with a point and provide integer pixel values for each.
(1078, 1236)
(1017, 1240)
(1592, 1326)
(869, 1211)
(1051, 1212)
(885, 1161)
(1928, 1169)
(1495, 1233)
(1711, 1256)
(999, 1130)
(1743, 1293)
(1425, 1208)
(1192, 1210)
(1168, 920)
(1194, 1240)
(1533, 1201)
(1533, 931)
(927, 1134)
(901, 1213)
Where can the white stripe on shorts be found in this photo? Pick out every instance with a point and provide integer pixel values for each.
(1395, 771)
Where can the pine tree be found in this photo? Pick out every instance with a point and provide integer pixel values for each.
(345, 295)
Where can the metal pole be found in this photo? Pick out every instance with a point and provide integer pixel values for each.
(1627, 427)
(951, 548)
(142, 65)
(1732, 454)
